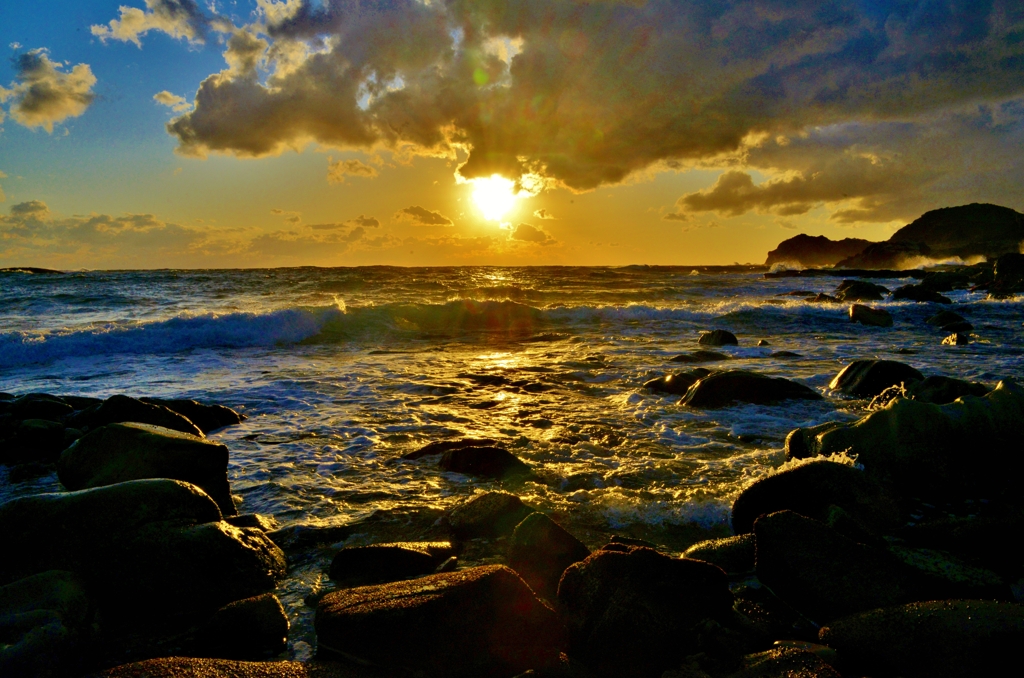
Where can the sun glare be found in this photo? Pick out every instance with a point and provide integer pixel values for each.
(494, 196)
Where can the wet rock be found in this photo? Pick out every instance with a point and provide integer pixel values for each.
(957, 327)
(116, 453)
(785, 662)
(442, 446)
(978, 540)
(918, 448)
(946, 576)
(859, 290)
(868, 378)
(486, 462)
(631, 613)
(718, 338)
(810, 489)
(801, 442)
(678, 383)
(919, 293)
(64, 530)
(379, 563)
(261, 522)
(821, 573)
(822, 298)
(735, 555)
(785, 354)
(1008, 275)
(120, 408)
(540, 550)
(246, 629)
(490, 514)
(701, 356)
(957, 339)
(721, 389)
(875, 317)
(39, 406)
(763, 342)
(943, 390)
(295, 539)
(482, 621)
(771, 616)
(81, 402)
(945, 318)
(206, 417)
(193, 667)
(632, 541)
(32, 440)
(954, 638)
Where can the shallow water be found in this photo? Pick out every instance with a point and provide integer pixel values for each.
(342, 371)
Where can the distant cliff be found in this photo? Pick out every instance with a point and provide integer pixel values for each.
(810, 251)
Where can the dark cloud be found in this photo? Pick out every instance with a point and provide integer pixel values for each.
(532, 234)
(44, 94)
(423, 217)
(366, 222)
(31, 209)
(338, 171)
(543, 214)
(676, 216)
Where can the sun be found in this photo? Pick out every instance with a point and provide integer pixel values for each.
(495, 196)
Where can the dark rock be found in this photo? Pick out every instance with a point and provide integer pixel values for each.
(490, 514)
(763, 342)
(721, 389)
(701, 356)
(822, 298)
(194, 667)
(735, 555)
(771, 616)
(822, 573)
(939, 575)
(379, 563)
(868, 378)
(33, 440)
(957, 327)
(947, 281)
(81, 402)
(442, 446)
(676, 384)
(810, 489)
(206, 417)
(943, 318)
(919, 293)
(859, 290)
(632, 541)
(39, 406)
(943, 390)
(865, 315)
(486, 462)
(785, 662)
(800, 441)
(717, 338)
(632, 613)
(302, 537)
(261, 522)
(957, 339)
(116, 453)
(785, 354)
(812, 251)
(1008, 275)
(888, 255)
(62, 531)
(979, 540)
(954, 638)
(119, 408)
(482, 621)
(246, 629)
(966, 231)
(540, 550)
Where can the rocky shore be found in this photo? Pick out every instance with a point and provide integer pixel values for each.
(882, 547)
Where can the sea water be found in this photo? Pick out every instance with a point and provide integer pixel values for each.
(342, 371)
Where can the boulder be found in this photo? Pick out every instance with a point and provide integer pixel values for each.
(120, 408)
(919, 293)
(379, 563)
(888, 256)
(631, 613)
(823, 574)
(245, 629)
(809, 251)
(64, 530)
(822, 298)
(983, 541)
(868, 378)
(540, 550)
(944, 575)
(701, 356)
(721, 389)
(943, 318)
(763, 342)
(32, 440)
(943, 390)
(442, 446)
(206, 417)
(936, 639)
(735, 555)
(678, 383)
(770, 616)
(717, 338)
(482, 621)
(918, 448)
(262, 522)
(39, 406)
(116, 453)
(874, 317)
(785, 662)
(811, 489)
(957, 339)
(859, 290)
(491, 514)
(801, 442)
(1008, 275)
(957, 327)
(486, 462)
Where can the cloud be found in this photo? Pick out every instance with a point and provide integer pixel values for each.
(367, 222)
(676, 216)
(543, 214)
(3, 196)
(44, 94)
(177, 18)
(172, 101)
(424, 217)
(290, 217)
(337, 171)
(532, 234)
(33, 209)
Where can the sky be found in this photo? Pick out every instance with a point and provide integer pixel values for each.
(184, 134)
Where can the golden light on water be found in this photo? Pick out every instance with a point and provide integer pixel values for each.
(495, 196)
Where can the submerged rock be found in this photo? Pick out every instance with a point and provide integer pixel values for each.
(678, 383)
(954, 638)
(120, 408)
(735, 555)
(718, 338)
(721, 389)
(378, 563)
(701, 356)
(957, 339)
(943, 318)
(482, 621)
(116, 453)
(490, 514)
(859, 290)
(206, 417)
(442, 446)
(868, 378)
(540, 551)
(865, 315)
(487, 462)
(246, 629)
(919, 293)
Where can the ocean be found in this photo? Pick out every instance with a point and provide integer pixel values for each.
(341, 371)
